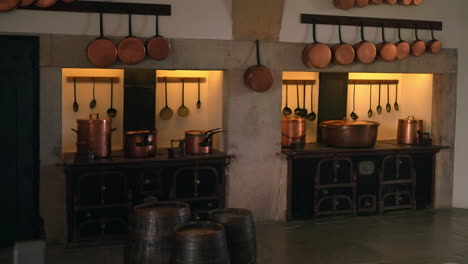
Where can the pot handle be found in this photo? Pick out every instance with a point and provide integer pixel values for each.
(113, 129)
(74, 130)
(411, 117)
(91, 116)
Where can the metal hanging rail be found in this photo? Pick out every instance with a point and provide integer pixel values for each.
(92, 78)
(179, 79)
(369, 22)
(298, 81)
(373, 81)
(106, 7)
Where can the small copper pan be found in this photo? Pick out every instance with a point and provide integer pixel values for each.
(365, 50)
(391, 2)
(434, 46)
(316, 55)
(8, 5)
(344, 4)
(417, 2)
(386, 51)
(27, 2)
(158, 47)
(405, 2)
(258, 77)
(376, 2)
(403, 47)
(343, 53)
(45, 3)
(418, 47)
(362, 3)
(101, 52)
(131, 50)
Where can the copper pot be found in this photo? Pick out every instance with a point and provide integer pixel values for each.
(344, 4)
(343, 53)
(316, 55)
(258, 77)
(140, 144)
(349, 134)
(199, 141)
(405, 2)
(391, 2)
(403, 47)
(418, 47)
(293, 130)
(386, 51)
(434, 46)
(362, 3)
(94, 136)
(365, 50)
(407, 132)
(376, 2)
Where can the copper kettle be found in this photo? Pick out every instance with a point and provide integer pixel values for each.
(200, 141)
(408, 130)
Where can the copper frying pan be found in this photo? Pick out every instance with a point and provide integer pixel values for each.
(376, 2)
(344, 4)
(391, 2)
(343, 53)
(45, 3)
(101, 52)
(27, 2)
(403, 47)
(418, 47)
(8, 5)
(131, 50)
(158, 47)
(405, 2)
(316, 55)
(417, 2)
(386, 51)
(362, 3)
(434, 46)
(365, 50)
(258, 77)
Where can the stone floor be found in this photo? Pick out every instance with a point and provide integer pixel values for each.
(429, 237)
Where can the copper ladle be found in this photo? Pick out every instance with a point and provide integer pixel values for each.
(286, 110)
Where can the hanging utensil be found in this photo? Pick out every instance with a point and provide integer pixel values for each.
(353, 115)
(75, 103)
(286, 110)
(388, 107)
(316, 55)
(92, 104)
(403, 47)
(434, 46)
(304, 109)
(131, 50)
(183, 111)
(112, 112)
(379, 107)
(370, 113)
(101, 52)
(298, 109)
(258, 77)
(312, 116)
(198, 102)
(395, 105)
(418, 47)
(158, 47)
(166, 113)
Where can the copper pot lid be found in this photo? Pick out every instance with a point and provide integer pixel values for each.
(45, 3)
(344, 4)
(91, 119)
(292, 119)
(141, 132)
(417, 2)
(345, 122)
(158, 47)
(27, 2)
(405, 2)
(9, 5)
(409, 120)
(391, 2)
(362, 3)
(258, 78)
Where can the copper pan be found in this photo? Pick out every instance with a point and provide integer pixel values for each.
(45, 3)
(376, 2)
(258, 77)
(365, 50)
(391, 2)
(343, 53)
(131, 50)
(417, 2)
(101, 52)
(27, 2)
(386, 51)
(344, 4)
(405, 2)
(403, 47)
(362, 3)
(158, 47)
(316, 55)
(418, 47)
(8, 5)
(434, 46)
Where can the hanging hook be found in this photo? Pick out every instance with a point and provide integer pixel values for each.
(130, 24)
(157, 26)
(257, 43)
(416, 32)
(399, 32)
(339, 33)
(101, 26)
(362, 32)
(314, 36)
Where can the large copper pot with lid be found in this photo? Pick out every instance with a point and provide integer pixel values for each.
(140, 144)
(408, 128)
(293, 129)
(349, 133)
(94, 136)
(199, 141)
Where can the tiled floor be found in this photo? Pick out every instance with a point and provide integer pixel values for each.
(429, 237)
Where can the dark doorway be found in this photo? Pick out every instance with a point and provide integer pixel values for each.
(19, 158)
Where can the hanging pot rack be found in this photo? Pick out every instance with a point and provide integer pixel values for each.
(370, 22)
(106, 7)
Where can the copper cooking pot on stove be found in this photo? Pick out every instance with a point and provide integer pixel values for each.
(349, 134)
(140, 144)
(94, 136)
(408, 128)
(293, 130)
(200, 141)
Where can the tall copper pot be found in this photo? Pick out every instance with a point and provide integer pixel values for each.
(94, 136)
(407, 132)
(349, 134)
(293, 130)
(199, 141)
(140, 144)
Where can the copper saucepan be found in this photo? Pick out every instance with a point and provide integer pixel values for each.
(27, 2)
(344, 4)
(362, 3)
(131, 50)
(140, 144)
(101, 52)
(434, 46)
(343, 53)
(8, 5)
(316, 55)
(376, 2)
(200, 141)
(403, 47)
(258, 77)
(391, 2)
(405, 2)
(387, 51)
(418, 47)
(45, 3)
(365, 50)
(417, 2)
(158, 47)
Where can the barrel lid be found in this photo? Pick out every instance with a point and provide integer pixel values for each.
(409, 119)
(292, 119)
(345, 122)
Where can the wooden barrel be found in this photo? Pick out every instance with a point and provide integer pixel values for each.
(200, 243)
(240, 233)
(152, 232)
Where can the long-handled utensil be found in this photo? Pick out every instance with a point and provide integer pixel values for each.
(298, 109)
(304, 109)
(183, 111)
(353, 115)
(370, 113)
(198, 102)
(112, 112)
(166, 113)
(312, 116)
(286, 110)
(388, 107)
(395, 105)
(75, 103)
(92, 104)
(379, 107)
